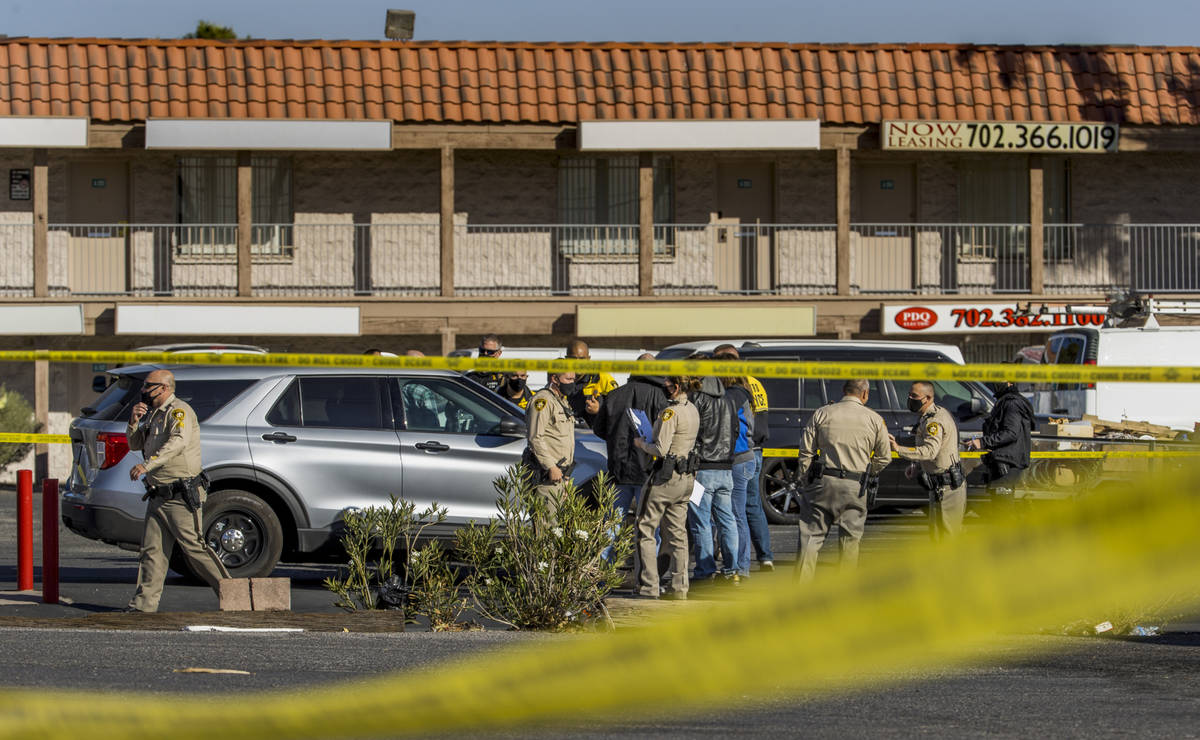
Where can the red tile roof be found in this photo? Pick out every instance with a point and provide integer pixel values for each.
(562, 83)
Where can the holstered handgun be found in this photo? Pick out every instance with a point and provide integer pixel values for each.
(868, 486)
(664, 468)
(816, 469)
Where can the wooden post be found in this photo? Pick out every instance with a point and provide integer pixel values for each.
(1037, 226)
(41, 224)
(645, 223)
(447, 222)
(843, 220)
(245, 217)
(41, 414)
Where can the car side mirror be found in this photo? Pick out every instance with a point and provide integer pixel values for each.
(978, 406)
(99, 383)
(511, 426)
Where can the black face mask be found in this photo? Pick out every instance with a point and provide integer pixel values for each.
(515, 385)
(567, 389)
(915, 404)
(147, 397)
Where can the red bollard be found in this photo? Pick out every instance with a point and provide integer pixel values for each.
(50, 541)
(24, 530)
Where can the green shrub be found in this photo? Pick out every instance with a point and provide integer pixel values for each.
(531, 570)
(424, 585)
(16, 416)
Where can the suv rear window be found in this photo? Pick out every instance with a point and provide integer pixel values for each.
(115, 401)
(206, 397)
(331, 402)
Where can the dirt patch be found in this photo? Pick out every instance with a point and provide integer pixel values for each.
(364, 621)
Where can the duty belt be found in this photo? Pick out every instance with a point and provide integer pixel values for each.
(839, 473)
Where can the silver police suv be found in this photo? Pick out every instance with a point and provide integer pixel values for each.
(289, 449)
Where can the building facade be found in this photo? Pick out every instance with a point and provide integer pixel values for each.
(447, 189)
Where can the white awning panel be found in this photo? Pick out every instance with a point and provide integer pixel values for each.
(33, 321)
(601, 136)
(37, 131)
(192, 133)
(209, 320)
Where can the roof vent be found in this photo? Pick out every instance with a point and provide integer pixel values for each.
(399, 25)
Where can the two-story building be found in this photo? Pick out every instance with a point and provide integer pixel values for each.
(345, 194)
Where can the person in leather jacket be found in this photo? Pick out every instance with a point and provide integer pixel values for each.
(718, 430)
(1006, 437)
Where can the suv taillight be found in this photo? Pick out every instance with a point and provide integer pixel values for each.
(116, 446)
(1089, 386)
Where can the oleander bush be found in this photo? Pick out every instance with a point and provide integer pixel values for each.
(16, 416)
(529, 569)
(424, 582)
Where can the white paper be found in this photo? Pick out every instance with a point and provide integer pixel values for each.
(697, 493)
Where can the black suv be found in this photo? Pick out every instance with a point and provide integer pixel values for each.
(793, 400)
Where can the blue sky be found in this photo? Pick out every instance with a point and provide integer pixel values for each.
(1167, 22)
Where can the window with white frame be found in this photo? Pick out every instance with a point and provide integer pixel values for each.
(598, 205)
(207, 206)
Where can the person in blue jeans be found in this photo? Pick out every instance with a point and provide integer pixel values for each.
(756, 518)
(718, 428)
(743, 466)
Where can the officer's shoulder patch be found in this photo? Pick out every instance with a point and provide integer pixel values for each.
(667, 414)
(178, 414)
(539, 403)
(932, 428)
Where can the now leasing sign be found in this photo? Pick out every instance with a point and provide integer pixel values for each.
(977, 318)
(987, 136)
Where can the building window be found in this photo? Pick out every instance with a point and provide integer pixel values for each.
(598, 205)
(993, 196)
(207, 206)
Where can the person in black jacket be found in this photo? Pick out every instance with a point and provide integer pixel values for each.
(614, 423)
(1006, 437)
(718, 432)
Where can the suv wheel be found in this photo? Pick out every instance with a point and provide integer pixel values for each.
(780, 490)
(244, 532)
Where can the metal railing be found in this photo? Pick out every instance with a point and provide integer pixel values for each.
(939, 258)
(720, 258)
(16, 260)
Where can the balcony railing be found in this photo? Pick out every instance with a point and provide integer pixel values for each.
(404, 259)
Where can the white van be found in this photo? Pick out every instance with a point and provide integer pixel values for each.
(537, 379)
(1176, 405)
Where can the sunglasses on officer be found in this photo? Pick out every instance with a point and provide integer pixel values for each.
(489, 352)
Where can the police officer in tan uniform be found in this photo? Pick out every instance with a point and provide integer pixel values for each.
(671, 481)
(550, 454)
(853, 444)
(170, 444)
(934, 461)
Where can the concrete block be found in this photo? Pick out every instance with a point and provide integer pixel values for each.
(271, 594)
(234, 594)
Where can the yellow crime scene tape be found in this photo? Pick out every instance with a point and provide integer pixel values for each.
(922, 608)
(772, 369)
(1040, 455)
(12, 437)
